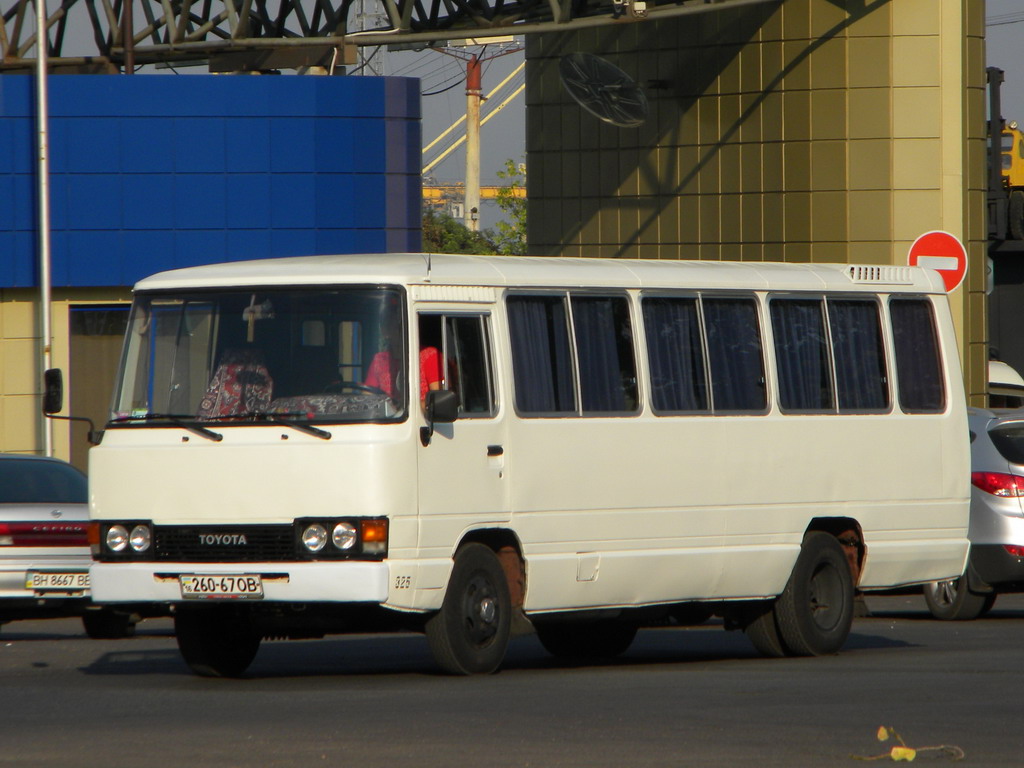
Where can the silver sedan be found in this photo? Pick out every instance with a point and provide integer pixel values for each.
(44, 547)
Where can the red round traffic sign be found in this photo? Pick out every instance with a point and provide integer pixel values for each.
(942, 252)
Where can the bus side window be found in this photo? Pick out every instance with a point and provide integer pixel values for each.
(801, 355)
(676, 353)
(467, 365)
(735, 357)
(918, 362)
(859, 354)
(541, 355)
(462, 348)
(604, 354)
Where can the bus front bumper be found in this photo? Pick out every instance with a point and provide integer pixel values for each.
(148, 582)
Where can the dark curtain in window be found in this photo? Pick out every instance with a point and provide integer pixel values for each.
(604, 352)
(801, 355)
(541, 355)
(859, 355)
(734, 354)
(675, 354)
(918, 364)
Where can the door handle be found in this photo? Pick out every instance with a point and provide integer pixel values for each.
(495, 450)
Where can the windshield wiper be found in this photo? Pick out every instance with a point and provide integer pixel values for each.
(177, 420)
(275, 418)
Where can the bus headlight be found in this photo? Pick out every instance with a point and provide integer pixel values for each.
(140, 539)
(117, 538)
(314, 537)
(341, 538)
(344, 535)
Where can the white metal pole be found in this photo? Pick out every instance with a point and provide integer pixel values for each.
(42, 116)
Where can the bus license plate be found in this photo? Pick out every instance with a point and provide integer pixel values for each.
(57, 581)
(243, 586)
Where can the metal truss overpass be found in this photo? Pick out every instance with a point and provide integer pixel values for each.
(240, 35)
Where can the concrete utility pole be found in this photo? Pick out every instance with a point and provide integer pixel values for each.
(474, 96)
(471, 212)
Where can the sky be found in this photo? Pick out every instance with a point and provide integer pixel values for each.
(1004, 48)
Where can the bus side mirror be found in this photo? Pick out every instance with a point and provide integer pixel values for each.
(441, 407)
(53, 402)
(53, 391)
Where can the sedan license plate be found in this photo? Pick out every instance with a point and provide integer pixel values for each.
(241, 586)
(57, 581)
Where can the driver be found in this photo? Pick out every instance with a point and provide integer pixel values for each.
(384, 370)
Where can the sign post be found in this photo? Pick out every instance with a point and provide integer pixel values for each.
(942, 252)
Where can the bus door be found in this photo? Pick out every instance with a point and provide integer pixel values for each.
(462, 469)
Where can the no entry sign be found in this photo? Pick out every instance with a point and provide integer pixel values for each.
(942, 252)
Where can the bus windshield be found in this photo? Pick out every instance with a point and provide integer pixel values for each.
(242, 355)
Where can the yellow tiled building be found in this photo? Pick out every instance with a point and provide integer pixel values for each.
(810, 130)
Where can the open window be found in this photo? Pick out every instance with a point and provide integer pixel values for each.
(455, 355)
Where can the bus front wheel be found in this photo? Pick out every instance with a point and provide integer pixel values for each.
(469, 635)
(815, 611)
(216, 642)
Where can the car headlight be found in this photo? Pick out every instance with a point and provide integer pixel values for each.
(117, 538)
(314, 537)
(344, 535)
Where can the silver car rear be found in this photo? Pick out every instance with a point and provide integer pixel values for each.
(44, 547)
(996, 563)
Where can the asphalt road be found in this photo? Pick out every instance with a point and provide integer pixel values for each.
(679, 697)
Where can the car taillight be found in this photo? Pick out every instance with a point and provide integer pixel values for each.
(43, 535)
(1014, 550)
(998, 483)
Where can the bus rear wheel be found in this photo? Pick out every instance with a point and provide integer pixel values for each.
(586, 639)
(469, 635)
(815, 611)
(216, 642)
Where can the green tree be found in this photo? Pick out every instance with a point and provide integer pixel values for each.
(443, 234)
(510, 239)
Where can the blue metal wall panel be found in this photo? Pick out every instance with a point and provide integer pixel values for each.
(153, 172)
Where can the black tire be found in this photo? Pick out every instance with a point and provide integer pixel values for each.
(815, 611)
(586, 639)
(469, 635)
(107, 624)
(216, 642)
(953, 601)
(763, 632)
(1016, 214)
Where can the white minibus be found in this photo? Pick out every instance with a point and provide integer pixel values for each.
(474, 446)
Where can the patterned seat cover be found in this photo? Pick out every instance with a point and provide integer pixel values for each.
(241, 384)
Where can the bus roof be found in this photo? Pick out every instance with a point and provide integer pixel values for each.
(527, 271)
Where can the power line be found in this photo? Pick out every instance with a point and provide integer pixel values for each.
(1002, 19)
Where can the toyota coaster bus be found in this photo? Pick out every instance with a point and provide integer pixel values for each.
(471, 446)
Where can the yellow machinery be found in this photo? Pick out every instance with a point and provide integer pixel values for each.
(1012, 159)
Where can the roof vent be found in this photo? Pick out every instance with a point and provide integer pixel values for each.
(880, 275)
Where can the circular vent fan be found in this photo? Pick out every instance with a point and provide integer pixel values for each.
(603, 89)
